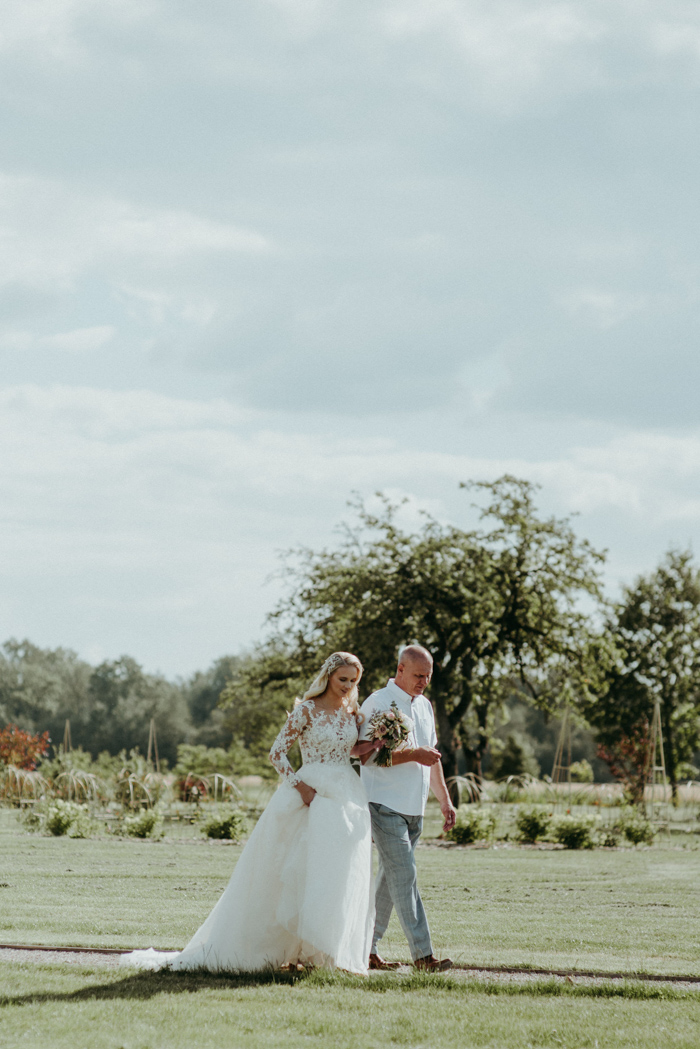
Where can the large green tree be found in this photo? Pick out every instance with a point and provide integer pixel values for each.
(123, 699)
(656, 632)
(40, 688)
(110, 706)
(211, 726)
(489, 603)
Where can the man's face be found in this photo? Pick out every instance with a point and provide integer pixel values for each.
(414, 676)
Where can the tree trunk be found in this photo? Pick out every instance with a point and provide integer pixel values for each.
(669, 752)
(447, 745)
(472, 756)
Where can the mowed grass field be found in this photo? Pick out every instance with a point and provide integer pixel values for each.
(631, 910)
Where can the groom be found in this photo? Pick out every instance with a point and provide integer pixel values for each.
(397, 797)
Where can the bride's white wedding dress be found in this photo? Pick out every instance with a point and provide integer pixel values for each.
(302, 888)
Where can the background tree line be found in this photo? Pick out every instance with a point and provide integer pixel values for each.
(513, 612)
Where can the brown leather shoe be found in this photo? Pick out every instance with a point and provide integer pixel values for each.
(432, 964)
(375, 962)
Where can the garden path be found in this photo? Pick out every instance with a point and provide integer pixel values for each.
(96, 959)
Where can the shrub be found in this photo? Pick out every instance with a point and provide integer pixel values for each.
(18, 784)
(32, 819)
(610, 836)
(637, 829)
(143, 825)
(573, 832)
(228, 825)
(582, 772)
(532, 824)
(83, 826)
(21, 749)
(60, 817)
(472, 825)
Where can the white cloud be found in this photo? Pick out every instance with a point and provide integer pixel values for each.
(80, 340)
(54, 232)
(603, 308)
(122, 228)
(507, 46)
(509, 51)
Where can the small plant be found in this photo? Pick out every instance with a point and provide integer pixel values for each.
(573, 832)
(610, 836)
(637, 829)
(19, 784)
(32, 819)
(83, 826)
(77, 783)
(582, 772)
(143, 825)
(472, 825)
(226, 825)
(60, 817)
(533, 823)
(468, 787)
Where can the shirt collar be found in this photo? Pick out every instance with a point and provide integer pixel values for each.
(400, 692)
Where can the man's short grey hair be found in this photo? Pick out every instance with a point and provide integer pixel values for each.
(414, 654)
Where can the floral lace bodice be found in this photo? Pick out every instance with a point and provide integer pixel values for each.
(325, 736)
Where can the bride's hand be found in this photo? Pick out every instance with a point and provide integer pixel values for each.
(307, 793)
(364, 749)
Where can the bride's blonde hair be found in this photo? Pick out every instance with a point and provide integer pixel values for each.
(320, 683)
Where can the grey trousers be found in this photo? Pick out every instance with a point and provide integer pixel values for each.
(396, 836)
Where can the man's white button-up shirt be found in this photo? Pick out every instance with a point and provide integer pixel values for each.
(403, 788)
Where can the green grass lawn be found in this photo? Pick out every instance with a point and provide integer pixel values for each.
(630, 910)
(80, 1009)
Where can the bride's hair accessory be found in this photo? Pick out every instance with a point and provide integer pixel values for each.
(320, 683)
(337, 659)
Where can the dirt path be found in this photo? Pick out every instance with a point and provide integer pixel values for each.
(96, 958)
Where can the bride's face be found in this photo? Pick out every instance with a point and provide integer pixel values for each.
(341, 681)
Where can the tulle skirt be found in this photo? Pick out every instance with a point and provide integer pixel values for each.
(301, 891)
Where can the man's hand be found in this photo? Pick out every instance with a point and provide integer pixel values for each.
(426, 756)
(449, 814)
(307, 793)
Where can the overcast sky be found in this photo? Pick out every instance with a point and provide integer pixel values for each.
(257, 255)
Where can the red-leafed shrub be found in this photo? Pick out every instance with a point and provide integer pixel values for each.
(627, 758)
(21, 749)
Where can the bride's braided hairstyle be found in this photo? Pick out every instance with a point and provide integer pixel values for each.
(320, 683)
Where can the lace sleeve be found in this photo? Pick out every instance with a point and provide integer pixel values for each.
(292, 729)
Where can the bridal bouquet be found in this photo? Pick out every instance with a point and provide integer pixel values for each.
(392, 728)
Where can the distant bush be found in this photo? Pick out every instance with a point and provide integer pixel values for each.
(573, 832)
(229, 825)
(83, 826)
(609, 836)
(582, 772)
(60, 817)
(473, 824)
(532, 824)
(143, 825)
(637, 829)
(32, 819)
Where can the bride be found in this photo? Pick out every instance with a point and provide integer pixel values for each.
(301, 892)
